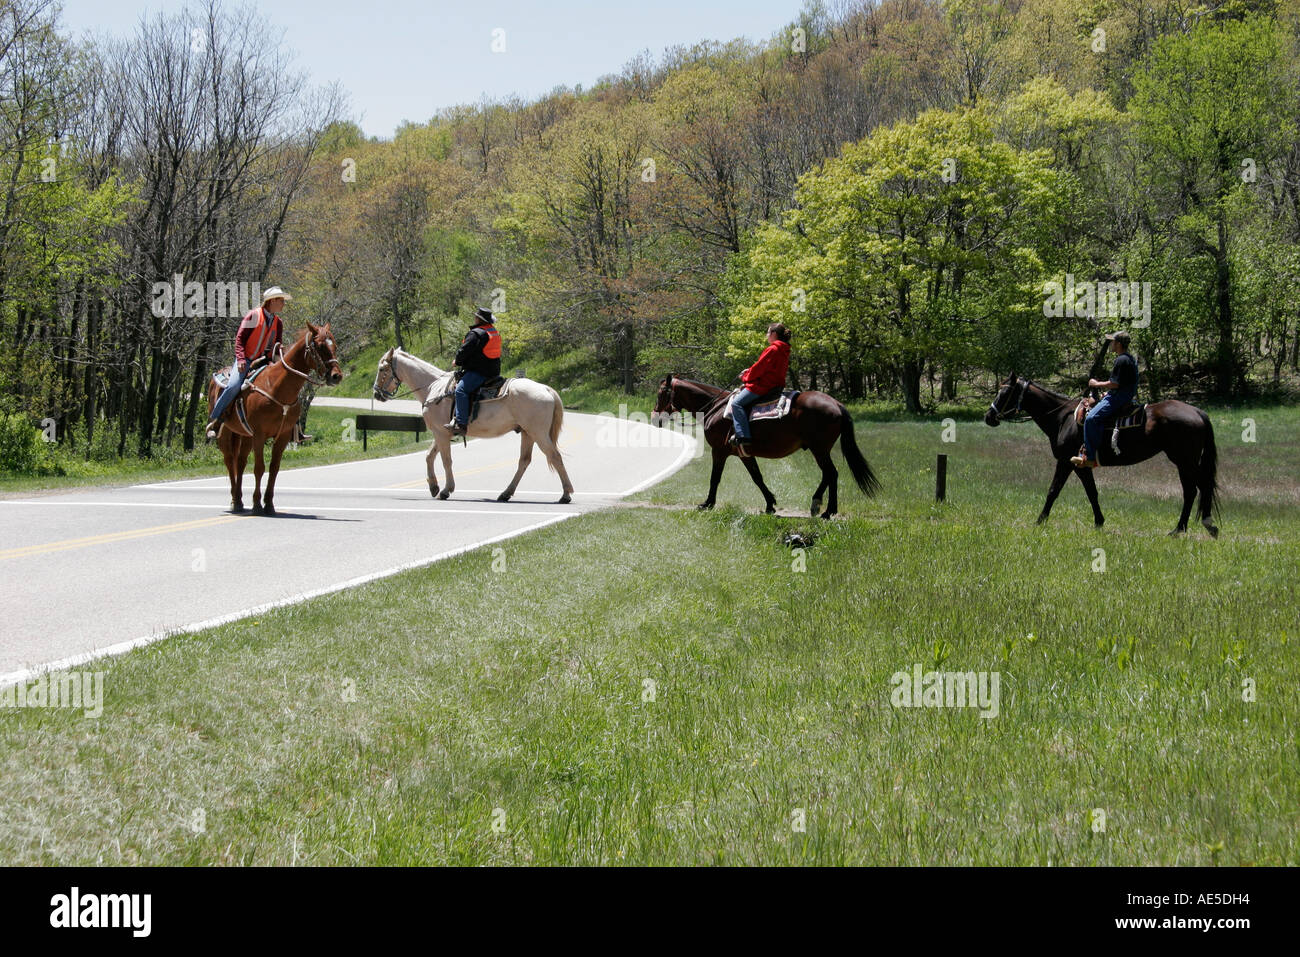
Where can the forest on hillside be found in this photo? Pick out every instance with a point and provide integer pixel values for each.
(927, 192)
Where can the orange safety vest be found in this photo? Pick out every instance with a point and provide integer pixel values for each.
(492, 348)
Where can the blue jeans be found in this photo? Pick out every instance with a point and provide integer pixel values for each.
(740, 413)
(1111, 404)
(466, 387)
(228, 394)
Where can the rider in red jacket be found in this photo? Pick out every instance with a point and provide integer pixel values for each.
(762, 377)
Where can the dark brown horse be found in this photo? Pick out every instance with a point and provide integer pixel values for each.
(1183, 432)
(814, 423)
(271, 404)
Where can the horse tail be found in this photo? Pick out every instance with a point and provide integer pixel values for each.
(862, 473)
(557, 423)
(1207, 481)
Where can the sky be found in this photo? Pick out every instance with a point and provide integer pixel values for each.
(405, 59)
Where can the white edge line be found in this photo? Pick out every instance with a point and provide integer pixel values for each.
(17, 677)
(503, 510)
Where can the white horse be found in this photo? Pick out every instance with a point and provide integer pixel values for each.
(530, 408)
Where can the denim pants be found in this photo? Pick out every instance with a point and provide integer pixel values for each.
(1111, 404)
(228, 394)
(740, 413)
(466, 387)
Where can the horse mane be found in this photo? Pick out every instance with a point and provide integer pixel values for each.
(1042, 388)
(696, 382)
(428, 367)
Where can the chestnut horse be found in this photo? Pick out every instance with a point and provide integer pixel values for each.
(814, 422)
(1183, 432)
(271, 404)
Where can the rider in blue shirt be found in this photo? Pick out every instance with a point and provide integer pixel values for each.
(1123, 385)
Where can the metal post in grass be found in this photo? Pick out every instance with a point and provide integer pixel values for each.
(941, 478)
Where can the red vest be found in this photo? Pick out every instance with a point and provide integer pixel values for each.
(492, 348)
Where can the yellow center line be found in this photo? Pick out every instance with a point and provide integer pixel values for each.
(565, 446)
(110, 537)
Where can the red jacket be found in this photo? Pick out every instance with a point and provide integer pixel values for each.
(769, 371)
(258, 331)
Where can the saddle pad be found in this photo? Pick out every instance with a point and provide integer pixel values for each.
(222, 377)
(1131, 418)
(767, 410)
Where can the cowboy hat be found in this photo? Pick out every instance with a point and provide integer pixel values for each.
(275, 292)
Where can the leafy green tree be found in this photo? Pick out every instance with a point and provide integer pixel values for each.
(1214, 107)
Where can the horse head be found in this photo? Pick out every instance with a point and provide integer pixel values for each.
(324, 353)
(386, 380)
(1008, 401)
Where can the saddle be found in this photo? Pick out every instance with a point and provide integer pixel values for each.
(774, 405)
(489, 391)
(1132, 416)
(222, 376)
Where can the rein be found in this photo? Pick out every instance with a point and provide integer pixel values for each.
(318, 363)
(1019, 410)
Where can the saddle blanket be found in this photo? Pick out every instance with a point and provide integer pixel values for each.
(775, 409)
(222, 377)
(1129, 418)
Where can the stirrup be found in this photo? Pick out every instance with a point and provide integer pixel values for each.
(1080, 462)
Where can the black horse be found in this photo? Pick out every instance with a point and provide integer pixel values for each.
(815, 422)
(1183, 432)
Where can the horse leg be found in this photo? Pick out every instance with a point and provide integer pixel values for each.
(444, 449)
(240, 451)
(719, 460)
(752, 467)
(230, 453)
(1063, 469)
(552, 453)
(830, 480)
(277, 450)
(1186, 475)
(525, 457)
(259, 466)
(1090, 486)
(428, 464)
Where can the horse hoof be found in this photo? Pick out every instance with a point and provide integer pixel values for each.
(257, 509)
(827, 516)
(503, 497)
(237, 508)
(433, 490)
(704, 507)
(444, 495)
(1040, 520)
(1176, 532)
(771, 509)
(564, 499)
(268, 509)
(1213, 530)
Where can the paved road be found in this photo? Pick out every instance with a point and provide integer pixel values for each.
(97, 572)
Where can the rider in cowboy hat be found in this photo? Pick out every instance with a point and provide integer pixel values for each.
(1123, 384)
(260, 333)
(479, 359)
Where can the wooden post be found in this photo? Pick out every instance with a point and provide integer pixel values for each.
(941, 478)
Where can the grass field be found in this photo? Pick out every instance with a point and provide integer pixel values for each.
(653, 685)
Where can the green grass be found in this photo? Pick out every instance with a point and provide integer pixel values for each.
(1120, 690)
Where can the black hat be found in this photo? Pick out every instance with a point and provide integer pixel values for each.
(483, 315)
(1120, 336)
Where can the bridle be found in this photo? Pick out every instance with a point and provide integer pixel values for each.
(386, 394)
(672, 409)
(1022, 385)
(1019, 414)
(320, 366)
